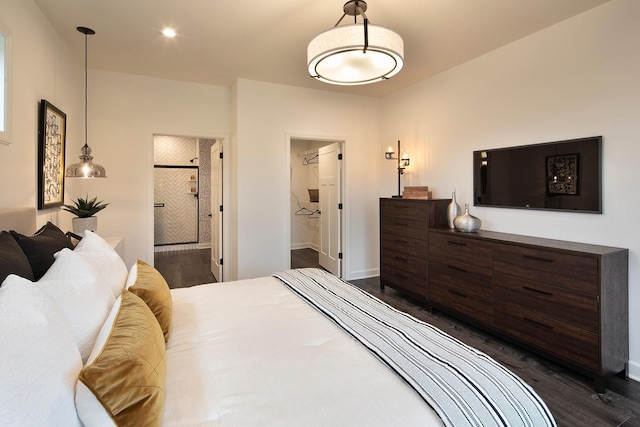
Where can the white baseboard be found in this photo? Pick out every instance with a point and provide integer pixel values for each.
(295, 246)
(363, 274)
(633, 369)
(313, 246)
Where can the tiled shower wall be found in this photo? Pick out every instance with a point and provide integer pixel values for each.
(180, 151)
(204, 155)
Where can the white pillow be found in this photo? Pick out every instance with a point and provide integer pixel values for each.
(111, 269)
(40, 361)
(87, 404)
(132, 276)
(72, 283)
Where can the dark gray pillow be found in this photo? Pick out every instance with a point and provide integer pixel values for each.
(40, 247)
(12, 259)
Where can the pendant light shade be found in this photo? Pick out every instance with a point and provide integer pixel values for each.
(355, 54)
(86, 168)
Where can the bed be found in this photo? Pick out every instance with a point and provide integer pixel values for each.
(95, 342)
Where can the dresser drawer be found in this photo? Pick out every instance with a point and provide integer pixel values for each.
(403, 228)
(569, 271)
(407, 209)
(570, 307)
(409, 264)
(465, 302)
(464, 276)
(409, 276)
(573, 344)
(394, 244)
(460, 249)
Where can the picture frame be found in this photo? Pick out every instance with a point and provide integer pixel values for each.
(52, 134)
(562, 175)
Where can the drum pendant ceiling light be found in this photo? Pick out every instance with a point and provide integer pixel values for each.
(86, 168)
(355, 54)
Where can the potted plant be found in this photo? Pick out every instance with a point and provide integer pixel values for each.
(84, 210)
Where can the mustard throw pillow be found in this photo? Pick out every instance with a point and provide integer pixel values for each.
(124, 379)
(154, 290)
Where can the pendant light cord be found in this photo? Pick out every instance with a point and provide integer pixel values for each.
(86, 78)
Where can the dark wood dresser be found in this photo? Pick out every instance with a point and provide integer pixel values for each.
(567, 301)
(404, 236)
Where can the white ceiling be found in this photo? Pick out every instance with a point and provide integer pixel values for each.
(221, 40)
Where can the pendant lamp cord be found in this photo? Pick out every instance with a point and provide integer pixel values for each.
(86, 98)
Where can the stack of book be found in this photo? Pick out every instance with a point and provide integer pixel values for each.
(416, 192)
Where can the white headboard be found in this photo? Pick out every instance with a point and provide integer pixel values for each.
(22, 220)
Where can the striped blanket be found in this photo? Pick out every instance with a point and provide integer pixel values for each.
(464, 386)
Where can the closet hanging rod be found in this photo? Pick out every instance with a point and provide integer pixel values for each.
(305, 153)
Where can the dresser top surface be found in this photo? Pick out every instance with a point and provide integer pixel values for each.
(541, 242)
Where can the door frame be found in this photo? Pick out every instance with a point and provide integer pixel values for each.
(344, 191)
(218, 226)
(224, 139)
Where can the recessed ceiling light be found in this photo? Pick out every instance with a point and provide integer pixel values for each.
(169, 32)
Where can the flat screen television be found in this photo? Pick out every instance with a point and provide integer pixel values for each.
(561, 176)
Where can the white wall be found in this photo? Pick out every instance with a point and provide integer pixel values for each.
(43, 68)
(125, 112)
(267, 116)
(576, 79)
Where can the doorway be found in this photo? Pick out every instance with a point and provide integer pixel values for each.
(182, 192)
(316, 174)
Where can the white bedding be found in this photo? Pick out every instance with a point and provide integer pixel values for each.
(252, 353)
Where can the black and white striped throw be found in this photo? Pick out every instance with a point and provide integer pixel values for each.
(464, 386)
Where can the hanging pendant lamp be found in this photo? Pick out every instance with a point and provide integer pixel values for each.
(86, 168)
(355, 54)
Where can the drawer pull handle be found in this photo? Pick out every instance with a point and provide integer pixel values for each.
(451, 242)
(537, 291)
(401, 224)
(537, 258)
(535, 322)
(457, 268)
(460, 294)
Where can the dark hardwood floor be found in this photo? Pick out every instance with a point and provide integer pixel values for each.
(304, 258)
(570, 396)
(182, 269)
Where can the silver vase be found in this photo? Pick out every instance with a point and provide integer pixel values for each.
(466, 222)
(453, 210)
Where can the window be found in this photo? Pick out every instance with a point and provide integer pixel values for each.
(5, 86)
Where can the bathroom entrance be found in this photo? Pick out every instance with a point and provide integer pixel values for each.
(182, 192)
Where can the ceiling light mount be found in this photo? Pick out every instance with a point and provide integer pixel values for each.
(355, 54)
(355, 8)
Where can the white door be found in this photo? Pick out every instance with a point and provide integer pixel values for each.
(330, 172)
(216, 211)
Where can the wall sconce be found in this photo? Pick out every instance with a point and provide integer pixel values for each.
(403, 162)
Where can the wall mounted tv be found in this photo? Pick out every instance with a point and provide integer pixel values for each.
(561, 176)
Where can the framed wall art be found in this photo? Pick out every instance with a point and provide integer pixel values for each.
(52, 130)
